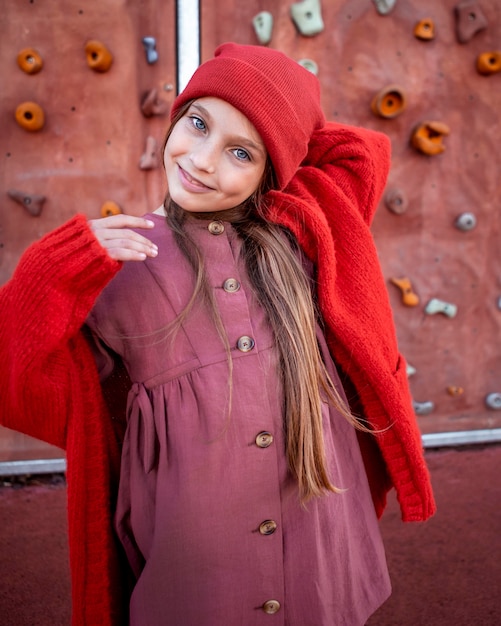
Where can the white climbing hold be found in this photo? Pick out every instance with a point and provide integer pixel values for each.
(439, 306)
(307, 17)
(263, 26)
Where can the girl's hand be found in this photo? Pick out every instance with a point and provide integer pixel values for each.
(123, 244)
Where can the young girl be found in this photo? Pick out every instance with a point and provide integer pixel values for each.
(224, 373)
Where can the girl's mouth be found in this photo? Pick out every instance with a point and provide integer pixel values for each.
(190, 183)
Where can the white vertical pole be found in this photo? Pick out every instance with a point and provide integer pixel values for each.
(188, 40)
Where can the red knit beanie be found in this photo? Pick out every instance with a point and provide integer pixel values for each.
(279, 96)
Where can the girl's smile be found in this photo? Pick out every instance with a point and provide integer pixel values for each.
(214, 158)
(190, 183)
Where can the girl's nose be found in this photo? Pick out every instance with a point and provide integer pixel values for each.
(203, 158)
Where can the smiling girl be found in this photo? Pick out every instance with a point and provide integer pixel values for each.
(223, 372)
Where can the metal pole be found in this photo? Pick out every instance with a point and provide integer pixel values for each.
(188, 40)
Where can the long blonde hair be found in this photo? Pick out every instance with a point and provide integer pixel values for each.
(275, 267)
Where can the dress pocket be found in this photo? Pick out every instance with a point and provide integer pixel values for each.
(141, 427)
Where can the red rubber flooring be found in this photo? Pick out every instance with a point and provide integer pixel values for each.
(444, 572)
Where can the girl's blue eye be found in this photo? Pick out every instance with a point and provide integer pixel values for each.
(198, 122)
(242, 154)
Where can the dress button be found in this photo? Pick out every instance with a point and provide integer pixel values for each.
(271, 607)
(231, 285)
(264, 439)
(245, 344)
(268, 527)
(216, 228)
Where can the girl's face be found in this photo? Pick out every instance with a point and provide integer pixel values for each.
(214, 158)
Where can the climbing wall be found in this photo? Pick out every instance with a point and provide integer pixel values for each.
(426, 73)
(85, 92)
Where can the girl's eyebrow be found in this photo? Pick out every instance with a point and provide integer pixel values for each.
(244, 141)
(200, 108)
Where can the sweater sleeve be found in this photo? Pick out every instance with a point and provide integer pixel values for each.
(354, 163)
(44, 306)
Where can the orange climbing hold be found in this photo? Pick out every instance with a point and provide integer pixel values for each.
(427, 137)
(30, 116)
(99, 58)
(409, 298)
(110, 208)
(425, 29)
(389, 102)
(489, 62)
(30, 61)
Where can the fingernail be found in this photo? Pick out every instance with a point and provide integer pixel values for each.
(150, 222)
(154, 251)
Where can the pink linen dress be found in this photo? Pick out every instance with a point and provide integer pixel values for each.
(207, 512)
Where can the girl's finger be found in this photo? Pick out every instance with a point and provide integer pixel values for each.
(127, 254)
(121, 243)
(121, 221)
(124, 235)
(127, 249)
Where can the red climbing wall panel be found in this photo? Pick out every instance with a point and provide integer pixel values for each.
(95, 132)
(358, 53)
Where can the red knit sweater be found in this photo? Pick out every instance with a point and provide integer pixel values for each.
(51, 389)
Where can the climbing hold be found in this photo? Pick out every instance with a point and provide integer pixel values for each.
(425, 29)
(30, 61)
(396, 201)
(263, 26)
(149, 44)
(423, 408)
(465, 221)
(427, 137)
(33, 203)
(99, 58)
(454, 390)
(384, 6)
(149, 160)
(152, 104)
(493, 401)
(489, 62)
(110, 208)
(469, 20)
(409, 298)
(410, 370)
(30, 116)
(309, 65)
(307, 17)
(389, 102)
(439, 306)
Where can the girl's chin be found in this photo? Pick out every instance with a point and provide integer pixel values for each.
(191, 207)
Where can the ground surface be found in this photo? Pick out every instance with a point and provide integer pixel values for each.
(444, 572)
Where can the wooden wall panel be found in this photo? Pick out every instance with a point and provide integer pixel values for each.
(95, 132)
(358, 53)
